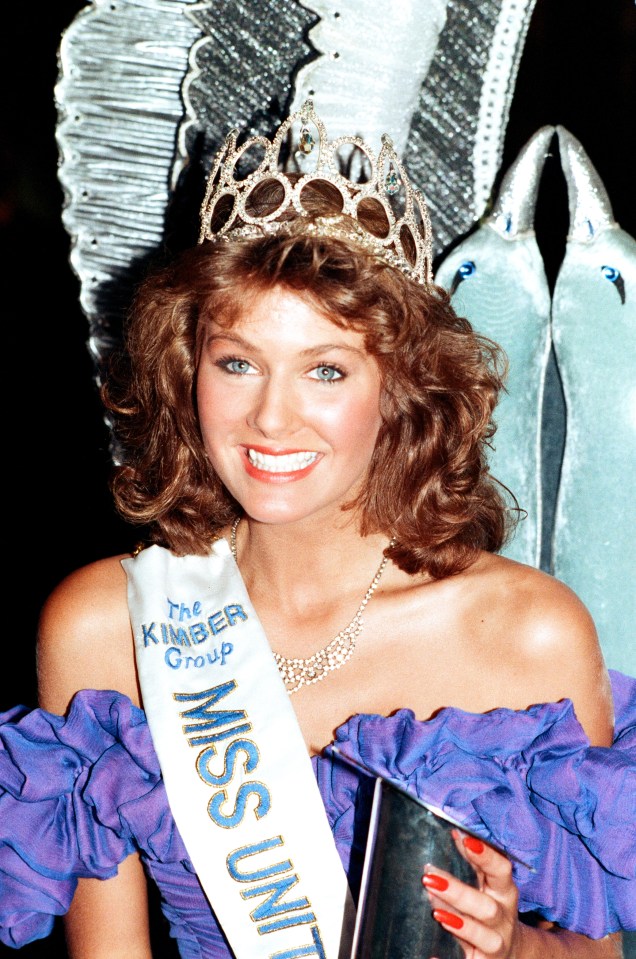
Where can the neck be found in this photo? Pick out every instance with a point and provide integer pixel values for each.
(287, 562)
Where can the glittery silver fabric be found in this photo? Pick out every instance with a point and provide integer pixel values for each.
(588, 203)
(121, 67)
(372, 59)
(497, 280)
(456, 139)
(149, 88)
(513, 211)
(240, 73)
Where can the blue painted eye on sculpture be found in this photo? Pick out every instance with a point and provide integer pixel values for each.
(594, 333)
(497, 280)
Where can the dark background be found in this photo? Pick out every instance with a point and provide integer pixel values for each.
(578, 69)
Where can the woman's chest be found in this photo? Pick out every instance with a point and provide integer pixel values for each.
(409, 669)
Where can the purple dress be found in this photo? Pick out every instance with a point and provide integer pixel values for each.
(78, 794)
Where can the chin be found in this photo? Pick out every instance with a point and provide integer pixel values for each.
(282, 513)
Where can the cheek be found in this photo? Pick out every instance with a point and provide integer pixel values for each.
(357, 422)
(215, 411)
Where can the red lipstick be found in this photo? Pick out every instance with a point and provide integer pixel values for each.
(265, 476)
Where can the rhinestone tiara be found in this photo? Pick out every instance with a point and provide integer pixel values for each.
(380, 209)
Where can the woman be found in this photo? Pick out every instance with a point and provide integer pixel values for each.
(299, 403)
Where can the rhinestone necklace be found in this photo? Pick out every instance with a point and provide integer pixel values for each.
(299, 672)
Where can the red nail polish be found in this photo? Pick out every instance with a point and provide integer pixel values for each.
(432, 881)
(475, 845)
(448, 918)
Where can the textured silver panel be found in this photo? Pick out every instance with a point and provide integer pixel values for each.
(121, 66)
(147, 90)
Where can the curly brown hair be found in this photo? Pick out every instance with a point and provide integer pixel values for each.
(428, 483)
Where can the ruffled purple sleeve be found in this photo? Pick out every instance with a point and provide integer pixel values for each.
(71, 790)
(529, 782)
(78, 794)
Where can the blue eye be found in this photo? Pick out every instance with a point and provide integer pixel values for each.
(239, 367)
(614, 276)
(326, 373)
(464, 270)
(610, 273)
(467, 268)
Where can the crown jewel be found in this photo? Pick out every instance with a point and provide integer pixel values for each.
(378, 207)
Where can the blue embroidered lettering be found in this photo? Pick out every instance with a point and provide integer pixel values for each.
(180, 611)
(315, 948)
(148, 634)
(234, 612)
(178, 636)
(236, 816)
(254, 849)
(250, 762)
(226, 649)
(274, 892)
(275, 913)
(172, 657)
(209, 718)
(175, 659)
(193, 633)
(213, 695)
(198, 632)
(219, 737)
(285, 923)
(217, 622)
(223, 717)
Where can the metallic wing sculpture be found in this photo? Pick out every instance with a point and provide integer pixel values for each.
(147, 90)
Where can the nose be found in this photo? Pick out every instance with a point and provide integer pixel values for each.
(275, 412)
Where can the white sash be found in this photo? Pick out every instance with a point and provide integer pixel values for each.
(236, 769)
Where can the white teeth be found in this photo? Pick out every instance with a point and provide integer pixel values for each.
(286, 463)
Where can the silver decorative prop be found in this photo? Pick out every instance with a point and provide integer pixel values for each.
(121, 66)
(594, 334)
(372, 63)
(240, 73)
(148, 89)
(497, 280)
(456, 140)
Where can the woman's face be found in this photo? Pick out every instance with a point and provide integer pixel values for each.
(289, 406)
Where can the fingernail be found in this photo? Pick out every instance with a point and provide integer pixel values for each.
(448, 918)
(475, 845)
(432, 881)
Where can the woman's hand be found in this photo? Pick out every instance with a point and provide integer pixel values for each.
(485, 920)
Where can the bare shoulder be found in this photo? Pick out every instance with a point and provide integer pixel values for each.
(548, 636)
(86, 595)
(84, 635)
(548, 618)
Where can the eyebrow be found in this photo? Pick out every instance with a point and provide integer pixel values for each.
(310, 351)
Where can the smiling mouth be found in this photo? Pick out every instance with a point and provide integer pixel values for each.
(282, 462)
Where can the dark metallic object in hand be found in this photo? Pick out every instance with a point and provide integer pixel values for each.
(395, 918)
